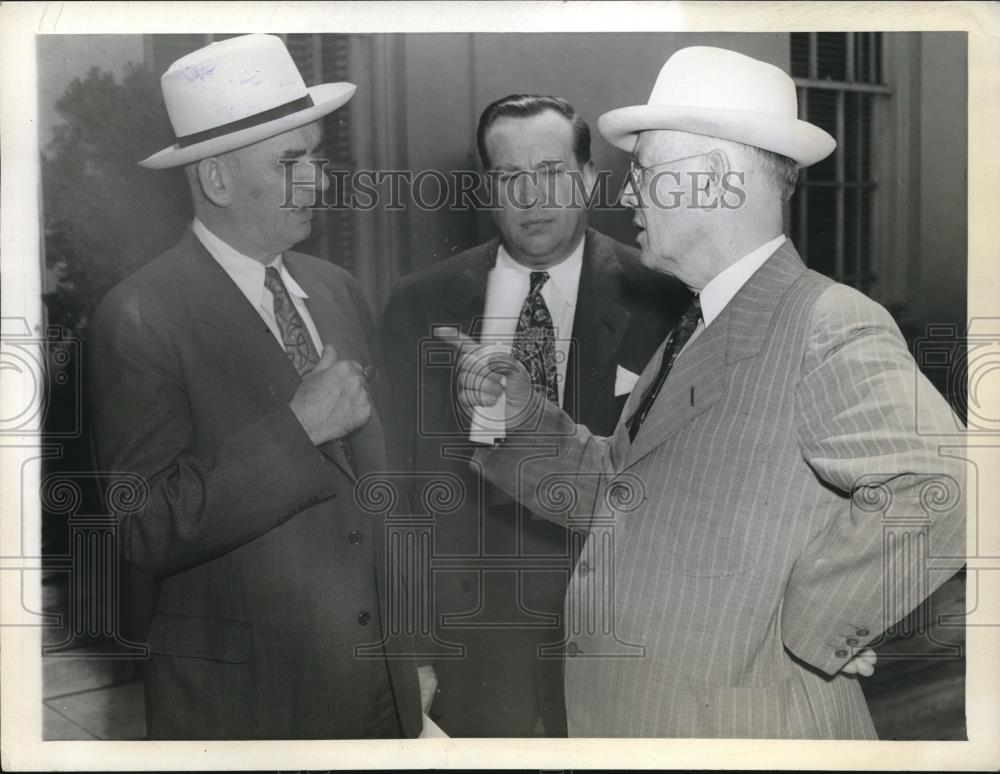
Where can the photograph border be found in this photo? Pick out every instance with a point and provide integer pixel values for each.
(21, 747)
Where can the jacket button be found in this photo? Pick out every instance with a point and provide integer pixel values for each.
(364, 617)
(573, 649)
(863, 632)
(840, 653)
(584, 568)
(851, 641)
(355, 538)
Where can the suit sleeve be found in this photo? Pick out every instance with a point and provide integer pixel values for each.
(196, 503)
(873, 428)
(555, 468)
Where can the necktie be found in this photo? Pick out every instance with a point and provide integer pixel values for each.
(676, 340)
(294, 336)
(535, 339)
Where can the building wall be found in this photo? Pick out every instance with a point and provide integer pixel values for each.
(422, 94)
(451, 78)
(941, 243)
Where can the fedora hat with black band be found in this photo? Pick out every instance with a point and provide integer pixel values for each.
(724, 94)
(236, 92)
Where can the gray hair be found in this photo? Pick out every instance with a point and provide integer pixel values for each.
(783, 171)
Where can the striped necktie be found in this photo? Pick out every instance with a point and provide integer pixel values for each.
(676, 340)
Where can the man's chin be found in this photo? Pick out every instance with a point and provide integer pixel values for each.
(302, 232)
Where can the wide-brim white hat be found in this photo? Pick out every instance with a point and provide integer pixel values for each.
(236, 92)
(720, 93)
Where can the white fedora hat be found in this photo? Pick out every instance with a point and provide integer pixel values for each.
(236, 92)
(723, 94)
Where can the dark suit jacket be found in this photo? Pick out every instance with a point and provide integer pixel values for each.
(261, 591)
(622, 314)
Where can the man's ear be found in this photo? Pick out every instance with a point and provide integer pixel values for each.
(719, 167)
(215, 181)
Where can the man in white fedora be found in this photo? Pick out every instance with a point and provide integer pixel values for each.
(232, 374)
(765, 507)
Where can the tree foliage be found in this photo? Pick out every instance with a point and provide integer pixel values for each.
(105, 216)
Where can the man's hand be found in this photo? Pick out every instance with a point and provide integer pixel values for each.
(862, 664)
(332, 400)
(428, 686)
(483, 375)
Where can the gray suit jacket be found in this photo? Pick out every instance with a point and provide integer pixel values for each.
(777, 511)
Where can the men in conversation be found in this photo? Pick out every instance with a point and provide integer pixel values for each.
(766, 478)
(585, 318)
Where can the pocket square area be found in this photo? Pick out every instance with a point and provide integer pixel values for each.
(624, 381)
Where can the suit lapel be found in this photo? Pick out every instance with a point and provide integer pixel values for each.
(599, 325)
(697, 380)
(619, 440)
(694, 384)
(243, 345)
(339, 328)
(465, 296)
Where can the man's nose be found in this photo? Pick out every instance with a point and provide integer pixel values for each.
(318, 168)
(629, 198)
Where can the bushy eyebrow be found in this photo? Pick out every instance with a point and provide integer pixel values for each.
(299, 153)
(539, 165)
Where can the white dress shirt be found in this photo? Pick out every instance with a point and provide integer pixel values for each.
(248, 274)
(559, 292)
(717, 294)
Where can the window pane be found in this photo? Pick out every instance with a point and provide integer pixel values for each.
(850, 147)
(862, 57)
(334, 66)
(866, 259)
(300, 46)
(822, 111)
(865, 135)
(851, 241)
(800, 54)
(877, 42)
(831, 55)
(820, 225)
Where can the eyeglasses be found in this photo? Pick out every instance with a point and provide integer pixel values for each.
(638, 173)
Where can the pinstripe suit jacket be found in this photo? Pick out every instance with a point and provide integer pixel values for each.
(769, 520)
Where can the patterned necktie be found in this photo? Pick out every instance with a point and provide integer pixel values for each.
(535, 339)
(676, 340)
(294, 336)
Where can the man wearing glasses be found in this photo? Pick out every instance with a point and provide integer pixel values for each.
(588, 317)
(773, 496)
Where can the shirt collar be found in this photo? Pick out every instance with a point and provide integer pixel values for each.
(717, 294)
(565, 275)
(247, 273)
